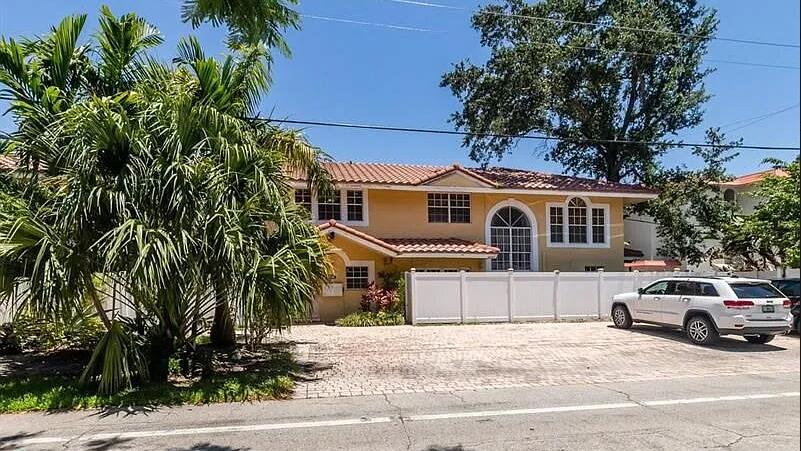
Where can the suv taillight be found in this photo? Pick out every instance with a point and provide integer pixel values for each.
(741, 305)
(786, 303)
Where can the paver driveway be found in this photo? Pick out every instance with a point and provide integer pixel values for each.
(405, 359)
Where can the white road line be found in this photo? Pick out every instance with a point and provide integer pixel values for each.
(672, 402)
(503, 413)
(366, 420)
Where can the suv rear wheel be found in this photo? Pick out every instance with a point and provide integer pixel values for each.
(621, 317)
(701, 331)
(759, 339)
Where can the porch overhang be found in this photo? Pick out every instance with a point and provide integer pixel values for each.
(412, 247)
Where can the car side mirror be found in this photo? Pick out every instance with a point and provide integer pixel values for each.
(639, 290)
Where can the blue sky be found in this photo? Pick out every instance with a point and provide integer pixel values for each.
(345, 72)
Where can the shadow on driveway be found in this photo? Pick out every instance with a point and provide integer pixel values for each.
(729, 343)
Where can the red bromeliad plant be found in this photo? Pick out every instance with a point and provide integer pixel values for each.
(378, 299)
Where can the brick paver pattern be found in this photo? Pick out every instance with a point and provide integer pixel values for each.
(409, 359)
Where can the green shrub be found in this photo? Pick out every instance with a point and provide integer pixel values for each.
(366, 319)
(83, 331)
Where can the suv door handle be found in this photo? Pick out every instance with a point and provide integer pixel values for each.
(656, 298)
(685, 299)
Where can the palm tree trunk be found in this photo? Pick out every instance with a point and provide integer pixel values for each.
(98, 304)
(223, 333)
(161, 349)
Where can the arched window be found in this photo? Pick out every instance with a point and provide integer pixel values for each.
(577, 223)
(729, 196)
(510, 231)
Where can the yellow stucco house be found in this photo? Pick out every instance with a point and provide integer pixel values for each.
(394, 217)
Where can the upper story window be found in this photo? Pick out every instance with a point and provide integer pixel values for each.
(348, 205)
(303, 198)
(355, 208)
(449, 208)
(577, 223)
(330, 207)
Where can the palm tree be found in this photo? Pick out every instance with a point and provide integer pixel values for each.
(248, 21)
(155, 177)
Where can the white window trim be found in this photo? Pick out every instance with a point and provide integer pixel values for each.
(343, 207)
(535, 242)
(370, 273)
(470, 208)
(565, 225)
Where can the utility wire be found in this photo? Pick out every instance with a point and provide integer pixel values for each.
(591, 24)
(496, 135)
(373, 24)
(594, 49)
(753, 120)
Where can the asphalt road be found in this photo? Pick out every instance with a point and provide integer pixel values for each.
(736, 412)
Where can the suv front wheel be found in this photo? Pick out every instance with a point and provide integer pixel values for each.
(621, 317)
(701, 331)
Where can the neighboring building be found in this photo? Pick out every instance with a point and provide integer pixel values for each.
(393, 217)
(667, 264)
(7, 163)
(740, 191)
(640, 231)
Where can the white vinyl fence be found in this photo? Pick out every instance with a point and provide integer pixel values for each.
(480, 297)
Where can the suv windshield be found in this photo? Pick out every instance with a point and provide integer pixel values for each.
(755, 290)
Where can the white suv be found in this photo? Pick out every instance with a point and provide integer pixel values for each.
(707, 307)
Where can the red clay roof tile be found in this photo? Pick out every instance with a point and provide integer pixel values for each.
(441, 245)
(412, 174)
(402, 246)
(750, 179)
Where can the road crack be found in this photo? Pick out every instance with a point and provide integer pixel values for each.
(402, 421)
(461, 399)
(627, 395)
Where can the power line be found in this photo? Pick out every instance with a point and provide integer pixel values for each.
(595, 49)
(592, 24)
(751, 121)
(496, 135)
(373, 24)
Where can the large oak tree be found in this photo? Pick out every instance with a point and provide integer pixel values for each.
(591, 86)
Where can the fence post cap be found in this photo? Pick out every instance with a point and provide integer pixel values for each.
(510, 269)
(600, 270)
(556, 271)
(413, 270)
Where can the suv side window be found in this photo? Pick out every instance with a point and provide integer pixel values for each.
(706, 289)
(657, 288)
(788, 287)
(686, 288)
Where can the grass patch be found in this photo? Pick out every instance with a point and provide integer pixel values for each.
(260, 376)
(367, 319)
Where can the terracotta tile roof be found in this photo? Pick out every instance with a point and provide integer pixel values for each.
(7, 163)
(384, 173)
(658, 265)
(441, 245)
(411, 175)
(332, 224)
(750, 179)
(520, 179)
(400, 246)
